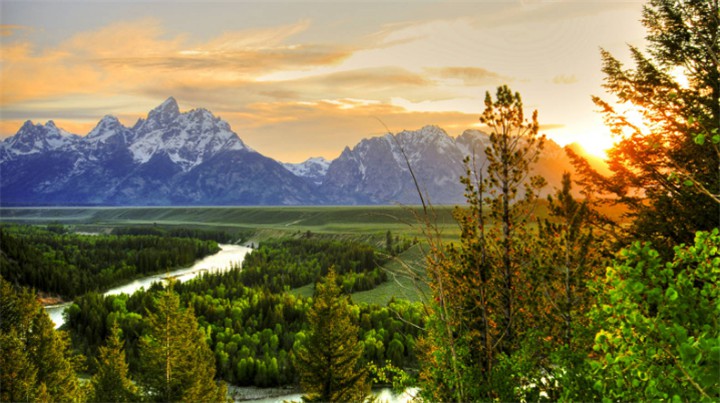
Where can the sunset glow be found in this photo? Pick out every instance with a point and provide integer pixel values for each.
(297, 79)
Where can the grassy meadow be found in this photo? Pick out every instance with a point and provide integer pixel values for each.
(262, 222)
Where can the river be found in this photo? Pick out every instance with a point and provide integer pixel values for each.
(228, 256)
(260, 395)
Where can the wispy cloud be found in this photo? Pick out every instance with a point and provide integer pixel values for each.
(565, 79)
(132, 56)
(470, 76)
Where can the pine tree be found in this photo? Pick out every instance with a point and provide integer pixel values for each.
(177, 362)
(571, 255)
(37, 363)
(665, 162)
(18, 377)
(328, 361)
(483, 291)
(514, 147)
(111, 382)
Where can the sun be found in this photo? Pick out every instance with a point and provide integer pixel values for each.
(596, 142)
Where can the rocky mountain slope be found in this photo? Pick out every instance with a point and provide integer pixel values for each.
(376, 170)
(169, 158)
(313, 169)
(194, 158)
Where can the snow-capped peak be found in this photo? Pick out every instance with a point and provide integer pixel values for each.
(107, 125)
(32, 139)
(312, 169)
(187, 138)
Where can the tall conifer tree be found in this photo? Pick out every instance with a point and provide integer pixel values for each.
(483, 296)
(177, 362)
(328, 360)
(36, 360)
(111, 382)
(515, 146)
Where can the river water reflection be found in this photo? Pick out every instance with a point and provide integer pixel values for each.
(228, 256)
(384, 395)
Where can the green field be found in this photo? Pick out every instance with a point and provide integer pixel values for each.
(263, 221)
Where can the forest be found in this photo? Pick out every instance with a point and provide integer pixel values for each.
(572, 305)
(250, 326)
(68, 265)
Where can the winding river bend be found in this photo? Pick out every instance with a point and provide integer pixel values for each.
(228, 256)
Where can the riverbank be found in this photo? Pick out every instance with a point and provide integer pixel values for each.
(253, 393)
(46, 299)
(226, 258)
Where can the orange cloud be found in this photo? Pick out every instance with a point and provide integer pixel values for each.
(25, 75)
(565, 79)
(136, 57)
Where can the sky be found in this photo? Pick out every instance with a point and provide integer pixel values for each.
(299, 79)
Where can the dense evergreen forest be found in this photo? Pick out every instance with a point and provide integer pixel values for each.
(250, 326)
(53, 261)
(570, 306)
(277, 265)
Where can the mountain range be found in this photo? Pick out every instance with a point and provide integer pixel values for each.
(194, 158)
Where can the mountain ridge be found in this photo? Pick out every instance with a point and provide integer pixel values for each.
(152, 163)
(172, 157)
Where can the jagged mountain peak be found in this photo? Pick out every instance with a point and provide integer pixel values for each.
(107, 124)
(162, 115)
(169, 158)
(313, 169)
(169, 109)
(188, 138)
(377, 168)
(36, 138)
(202, 113)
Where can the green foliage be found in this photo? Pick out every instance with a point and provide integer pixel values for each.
(111, 382)
(389, 374)
(664, 166)
(660, 321)
(36, 361)
(71, 264)
(177, 363)
(277, 264)
(328, 360)
(484, 294)
(251, 330)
